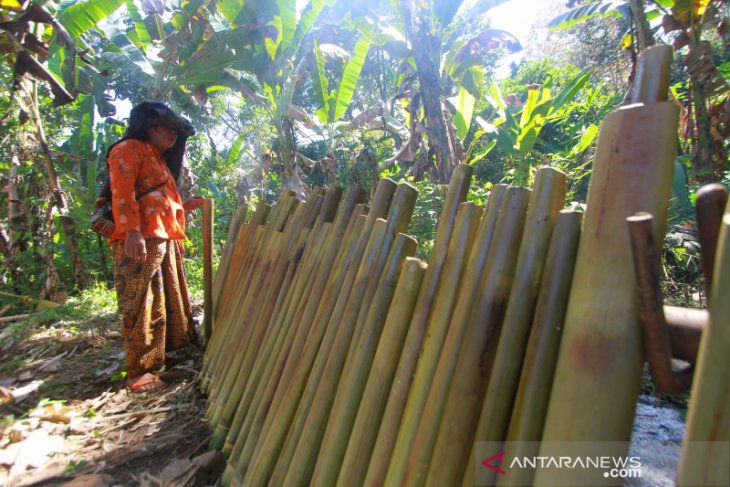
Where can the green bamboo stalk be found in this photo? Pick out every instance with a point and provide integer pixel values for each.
(466, 393)
(288, 394)
(267, 275)
(309, 288)
(374, 312)
(271, 300)
(533, 393)
(237, 222)
(348, 393)
(705, 448)
(247, 381)
(238, 251)
(458, 188)
(230, 322)
(380, 378)
(263, 329)
(601, 358)
(245, 259)
(281, 440)
(250, 419)
(246, 332)
(467, 223)
(399, 217)
(273, 245)
(208, 217)
(545, 204)
(425, 435)
(296, 461)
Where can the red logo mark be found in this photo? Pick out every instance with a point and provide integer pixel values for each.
(500, 458)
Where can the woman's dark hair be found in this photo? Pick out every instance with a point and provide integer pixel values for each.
(150, 114)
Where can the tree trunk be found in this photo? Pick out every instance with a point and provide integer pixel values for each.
(438, 119)
(643, 30)
(17, 218)
(287, 156)
(69, 226)
(702, 160)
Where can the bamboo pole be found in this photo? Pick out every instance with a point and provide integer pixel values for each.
(341, 316)
(296, 322)
(444, 363)
(380, 378)
(208, 305)
(600, 360)
(235, 225)
(458, 187)
(545, 204)
(288, 395)
(263, 327)
(294, 460)
(399, 217)
(706, 444)
(533, 393)
(242, 245)
(249, 381)
(265, 312)
(355, 373)
(240, 262)
(264, 276)
(250, 421)
(374, 311)
(467, 223)
(261, 260)
(283, 433)
(466, 394)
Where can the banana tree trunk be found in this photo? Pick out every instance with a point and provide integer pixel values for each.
(69, 227)
(441, 137)
(17, 219)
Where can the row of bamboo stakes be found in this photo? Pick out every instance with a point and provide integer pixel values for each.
(338, 358)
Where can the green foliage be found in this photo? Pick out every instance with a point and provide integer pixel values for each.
(515, 125)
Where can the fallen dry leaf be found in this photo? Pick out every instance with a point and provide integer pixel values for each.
(90, 480)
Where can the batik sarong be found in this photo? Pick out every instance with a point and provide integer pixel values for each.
(154, 303)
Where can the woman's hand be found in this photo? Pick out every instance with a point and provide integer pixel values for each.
(193, 202)
(135, 247)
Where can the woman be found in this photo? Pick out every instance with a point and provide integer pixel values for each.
(149, 220)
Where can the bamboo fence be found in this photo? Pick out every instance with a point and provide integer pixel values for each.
(337, 358)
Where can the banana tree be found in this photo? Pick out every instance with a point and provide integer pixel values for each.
(689, 22)
(441, 76)
(516, 126)
(38, 47)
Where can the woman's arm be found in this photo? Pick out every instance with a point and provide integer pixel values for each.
(124, 166)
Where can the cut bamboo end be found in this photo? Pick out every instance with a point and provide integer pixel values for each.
(651, 84)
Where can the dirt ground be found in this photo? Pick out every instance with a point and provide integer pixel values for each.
(68, 420)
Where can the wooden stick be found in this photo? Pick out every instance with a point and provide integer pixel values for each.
(208, 304)
(5, 309)
(7, 319)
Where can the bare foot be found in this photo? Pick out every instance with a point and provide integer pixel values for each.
(144, 383)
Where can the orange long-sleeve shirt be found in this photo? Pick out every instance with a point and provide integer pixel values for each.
(134, 167)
